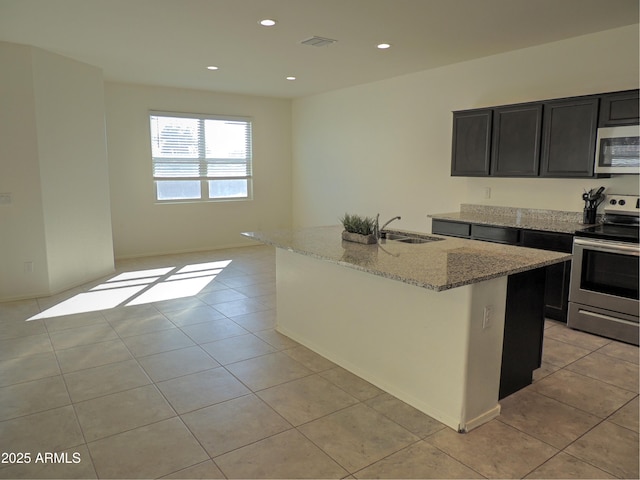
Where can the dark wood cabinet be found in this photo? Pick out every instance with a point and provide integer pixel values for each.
(523, 331)
(556, 290)
(620, 108)
(569, 137)
(554, 241)
(552, 138)
(453, 229)
(515, 148)
(471, 142)
(490, 233)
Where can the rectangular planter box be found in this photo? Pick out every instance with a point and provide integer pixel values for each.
(358, 238)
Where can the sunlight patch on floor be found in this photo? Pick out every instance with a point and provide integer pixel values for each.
(172, 289)
(90, 302)
(139, 287)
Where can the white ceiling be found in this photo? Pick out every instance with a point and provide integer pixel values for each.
(170, 42)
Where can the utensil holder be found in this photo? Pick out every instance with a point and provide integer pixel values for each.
(589, 215)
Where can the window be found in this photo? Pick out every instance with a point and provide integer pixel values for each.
(200, 157)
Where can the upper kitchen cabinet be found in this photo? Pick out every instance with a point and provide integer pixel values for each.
(515, 149)
(619, 108)
(569, 137)
(550, 138)
(471, 143)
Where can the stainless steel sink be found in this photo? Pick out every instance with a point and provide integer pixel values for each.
(416, 240)
(399, 237)
(394, 236)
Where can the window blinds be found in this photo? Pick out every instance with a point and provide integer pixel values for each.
(200, 147)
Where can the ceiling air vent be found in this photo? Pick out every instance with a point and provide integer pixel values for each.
(318, 42)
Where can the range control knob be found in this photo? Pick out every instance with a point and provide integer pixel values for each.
(613, 201)
(621, 202)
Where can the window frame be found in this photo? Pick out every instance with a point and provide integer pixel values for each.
(202, 161)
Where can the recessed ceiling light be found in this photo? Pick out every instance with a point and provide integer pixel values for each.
(267, 22)
(212, 67)
(291, 78)
(384, 46)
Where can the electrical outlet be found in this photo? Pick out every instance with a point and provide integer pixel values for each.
(487, 316)
(5, 199)
(28, 267)
(487, 192)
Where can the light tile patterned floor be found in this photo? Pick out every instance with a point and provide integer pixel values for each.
(204, 387)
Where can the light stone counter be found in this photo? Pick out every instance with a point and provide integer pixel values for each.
(530, 219)
(438, 265)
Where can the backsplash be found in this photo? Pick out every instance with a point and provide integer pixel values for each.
(550, 215)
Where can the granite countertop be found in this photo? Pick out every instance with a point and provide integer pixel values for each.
(438, 265)
(530, 219)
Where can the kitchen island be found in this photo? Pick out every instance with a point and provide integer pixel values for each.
(424, 322)
(534, 228)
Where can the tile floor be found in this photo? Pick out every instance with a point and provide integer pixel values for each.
(204, 387)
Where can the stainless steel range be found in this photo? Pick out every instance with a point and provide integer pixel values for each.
(603, 297)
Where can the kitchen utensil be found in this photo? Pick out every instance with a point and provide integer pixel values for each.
(592, 199)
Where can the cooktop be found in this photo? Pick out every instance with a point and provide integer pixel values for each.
(621, 222)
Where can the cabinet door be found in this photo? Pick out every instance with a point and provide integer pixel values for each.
(471, 143)
(619, 109)
(523, 330)
(569, 137)
(515, 148)
(542, 240)
(556, 290)
(446, 227)
(495, 234)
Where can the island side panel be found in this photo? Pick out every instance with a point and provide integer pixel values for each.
(485, 351)
(421, 346)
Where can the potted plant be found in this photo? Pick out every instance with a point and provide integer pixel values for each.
(358, 229)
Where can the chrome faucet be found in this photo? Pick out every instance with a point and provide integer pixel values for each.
(377, 230)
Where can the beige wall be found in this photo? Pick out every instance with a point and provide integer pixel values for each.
(143, 227)
(72, 147)
(386, 146)
(380, 147)
(21, 222)
(53, 161)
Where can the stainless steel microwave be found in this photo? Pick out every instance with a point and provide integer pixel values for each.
(618, 150)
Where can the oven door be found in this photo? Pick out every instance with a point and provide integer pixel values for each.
(604, 274)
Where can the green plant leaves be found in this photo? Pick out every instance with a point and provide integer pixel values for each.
(358, 224)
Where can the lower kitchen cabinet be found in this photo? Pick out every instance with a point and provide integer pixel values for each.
(452, 229)
(556, 293)
(556, 290)
(523, 331)
(495, 234)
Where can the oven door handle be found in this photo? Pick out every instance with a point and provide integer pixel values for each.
(607, 317)
(609, 247)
